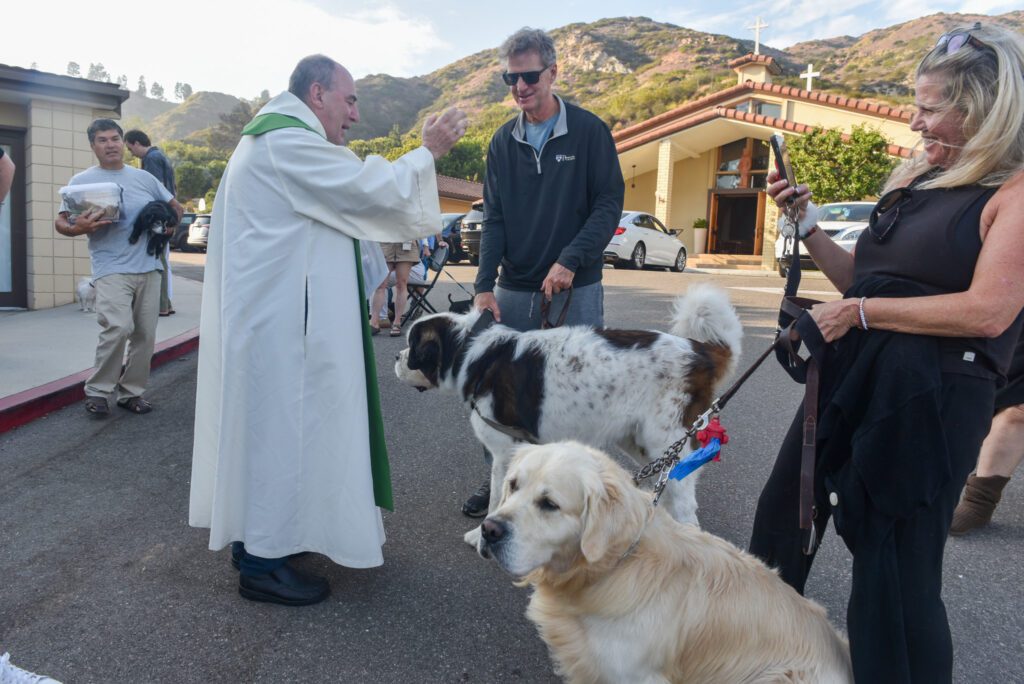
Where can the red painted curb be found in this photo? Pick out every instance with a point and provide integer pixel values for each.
(24, 407)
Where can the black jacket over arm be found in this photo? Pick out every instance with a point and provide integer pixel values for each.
(561, 204)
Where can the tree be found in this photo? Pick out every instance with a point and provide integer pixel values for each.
(836, 170)
(74, 69)
(177, 91)
(225, 135)
(156, 91)
(122, 81)
(186, 91)
(97, 72)
(34, 66)
(466, 159)
(191, 179)
(141, 89)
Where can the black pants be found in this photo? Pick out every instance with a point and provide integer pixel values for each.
(896, 620)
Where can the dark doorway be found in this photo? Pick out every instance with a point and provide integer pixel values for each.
(13, 256)
(736, 224)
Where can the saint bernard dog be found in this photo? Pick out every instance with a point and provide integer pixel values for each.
(637, 389)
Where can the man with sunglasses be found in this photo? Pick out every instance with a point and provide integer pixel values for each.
(553, 196)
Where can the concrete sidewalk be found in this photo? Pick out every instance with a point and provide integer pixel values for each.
(48, 354)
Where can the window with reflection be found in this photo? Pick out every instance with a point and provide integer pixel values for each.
(742, 164)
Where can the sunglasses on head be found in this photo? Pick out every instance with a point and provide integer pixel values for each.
(529, 77)
(886, 213)
(957, 38)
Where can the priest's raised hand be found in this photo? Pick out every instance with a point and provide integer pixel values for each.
(442, 131)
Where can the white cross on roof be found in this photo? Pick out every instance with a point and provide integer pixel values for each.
(758, 25)
(810, 75)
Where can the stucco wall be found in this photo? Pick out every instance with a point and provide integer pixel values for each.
(454, 206)
(897, 132)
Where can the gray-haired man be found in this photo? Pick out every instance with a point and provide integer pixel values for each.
(552, 198)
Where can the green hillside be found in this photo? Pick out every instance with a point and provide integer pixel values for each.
(625, 69)
(200, 111)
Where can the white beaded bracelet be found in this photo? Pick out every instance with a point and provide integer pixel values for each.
(863, 318)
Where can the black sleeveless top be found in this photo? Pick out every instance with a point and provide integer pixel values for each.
(935, 243)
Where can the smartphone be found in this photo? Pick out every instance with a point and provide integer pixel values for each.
(782, 163)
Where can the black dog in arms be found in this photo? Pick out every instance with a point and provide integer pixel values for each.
(153, 220)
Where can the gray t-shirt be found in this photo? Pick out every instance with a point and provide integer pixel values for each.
(109, 247)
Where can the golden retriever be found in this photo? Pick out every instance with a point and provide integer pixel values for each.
(624, 593)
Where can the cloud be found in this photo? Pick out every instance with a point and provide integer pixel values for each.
(229, 46)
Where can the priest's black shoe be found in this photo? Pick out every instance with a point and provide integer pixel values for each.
(286, 586)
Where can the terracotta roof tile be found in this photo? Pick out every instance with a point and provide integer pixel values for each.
(458, 188)
(683, 112)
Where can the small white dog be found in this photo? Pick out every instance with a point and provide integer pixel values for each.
(624, 593)
(86, 294)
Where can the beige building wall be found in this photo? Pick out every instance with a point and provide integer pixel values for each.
(691, 180)
(641, 197)
(898, 132)
(56, 148)
(453, 206)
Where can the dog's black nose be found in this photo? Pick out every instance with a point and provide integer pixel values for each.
(493, 531)
(398, 356)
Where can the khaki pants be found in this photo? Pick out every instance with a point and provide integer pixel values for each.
(127, 308)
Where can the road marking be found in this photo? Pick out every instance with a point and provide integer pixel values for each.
(779, 290)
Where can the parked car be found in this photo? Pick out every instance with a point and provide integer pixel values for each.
(847, 239)
(642, 240)
(472, 227)
(451, 231)
(834, 220)
(179, 240)
(199, 231)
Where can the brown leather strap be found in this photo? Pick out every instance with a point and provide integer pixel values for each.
(807, 458)
(545, 309)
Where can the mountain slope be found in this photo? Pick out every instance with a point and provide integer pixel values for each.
(201, 110)
(624, 69)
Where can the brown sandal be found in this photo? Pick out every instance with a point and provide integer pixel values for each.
(97, 406)
(136, 405)
(396, 330)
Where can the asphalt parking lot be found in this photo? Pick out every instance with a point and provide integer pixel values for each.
(103, 580)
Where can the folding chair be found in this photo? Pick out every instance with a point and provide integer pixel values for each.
(418, 299)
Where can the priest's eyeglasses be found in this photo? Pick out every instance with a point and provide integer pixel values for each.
(957, 38)
(886, 213)
(529, 77)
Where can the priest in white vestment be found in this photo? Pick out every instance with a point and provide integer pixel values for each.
(288, 454)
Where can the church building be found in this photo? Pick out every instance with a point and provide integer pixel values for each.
(708, 158)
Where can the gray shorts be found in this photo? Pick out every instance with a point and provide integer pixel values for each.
(521, 310)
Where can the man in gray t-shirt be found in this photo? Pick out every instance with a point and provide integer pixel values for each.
(126, 278)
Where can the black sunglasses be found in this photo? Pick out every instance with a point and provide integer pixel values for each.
(529, 77)
(957, 38)
(886, 213)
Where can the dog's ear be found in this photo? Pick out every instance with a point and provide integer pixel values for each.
(609, 513)
(425, 353)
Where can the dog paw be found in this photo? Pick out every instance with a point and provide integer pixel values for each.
(472, 537)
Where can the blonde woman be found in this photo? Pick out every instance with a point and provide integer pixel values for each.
(916, 348)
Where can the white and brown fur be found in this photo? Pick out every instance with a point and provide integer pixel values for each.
(638, 389)
(681, 606)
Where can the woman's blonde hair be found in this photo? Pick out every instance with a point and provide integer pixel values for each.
(985, 85)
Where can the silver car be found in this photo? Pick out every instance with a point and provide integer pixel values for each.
(642, 240)
(837, 220)
(199, 231)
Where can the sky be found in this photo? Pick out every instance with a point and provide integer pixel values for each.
(242, 48)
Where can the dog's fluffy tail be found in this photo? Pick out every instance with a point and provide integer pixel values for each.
(704, 313)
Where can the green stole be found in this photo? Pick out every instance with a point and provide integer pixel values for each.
(379, 466)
